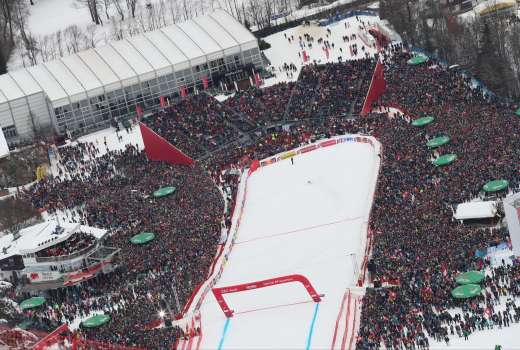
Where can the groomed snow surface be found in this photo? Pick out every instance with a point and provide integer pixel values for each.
(307, 218)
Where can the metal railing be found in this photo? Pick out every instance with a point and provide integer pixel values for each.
(65, 257)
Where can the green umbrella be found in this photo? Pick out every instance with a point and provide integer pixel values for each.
(95, 321)
(143, 238)
(518, 112)
(31, 303)
(25, 324)
(470, 277)
(445, 159)
(466, 291)
(164, 191)
(496, 185)
(438, 141)
(423, 121)
(418, 59)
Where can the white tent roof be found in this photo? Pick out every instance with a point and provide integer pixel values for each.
(235, 28)
(26, 82)
(163, 43)
(41, 236)
(476, 210)
(117, 63)
(83, 74)
(153, 56)
(11, 90)
(48, 83)
(184, 43)
(99, 67)
(130, 60)
(222, 37)
(4, 148)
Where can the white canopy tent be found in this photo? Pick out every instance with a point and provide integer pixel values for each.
(90, 87)
(476, 210)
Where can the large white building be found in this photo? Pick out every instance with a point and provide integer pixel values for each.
(85, 91)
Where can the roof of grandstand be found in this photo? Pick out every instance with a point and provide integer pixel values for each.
(41, 236)
(129, 61)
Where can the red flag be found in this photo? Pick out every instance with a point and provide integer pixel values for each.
(205, 82)
(139, 111)
(258, 80)
(304, 55)
(162, 100)
(184, 91)
(254, 166)
(157, 148)
(376, 89)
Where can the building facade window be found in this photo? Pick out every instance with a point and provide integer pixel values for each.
(10, 132)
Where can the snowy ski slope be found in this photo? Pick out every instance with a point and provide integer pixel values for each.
(310, 219)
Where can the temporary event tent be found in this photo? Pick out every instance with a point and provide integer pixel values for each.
(476, 210)
(85, 90)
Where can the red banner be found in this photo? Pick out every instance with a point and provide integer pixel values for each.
(305, 56)
(52, 338)
(328, 143)
(139, 111)
(205, 82)
(184, 91)
(258, 80)
(308, 149)
(218, 292)
(157, 148)
(162, 101)
(254, 166)
(376, 89)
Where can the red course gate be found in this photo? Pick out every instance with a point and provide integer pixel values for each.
(218, 292)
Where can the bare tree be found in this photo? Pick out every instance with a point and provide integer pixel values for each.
(119, 8)
(90, 36)
(94, 7)
(131, 5)
(74, 37)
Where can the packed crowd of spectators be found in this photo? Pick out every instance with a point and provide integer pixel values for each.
(263, 106)
(417, 245)
(77, 242)
(112, 192)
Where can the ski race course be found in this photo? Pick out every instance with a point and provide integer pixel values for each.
(310, 219)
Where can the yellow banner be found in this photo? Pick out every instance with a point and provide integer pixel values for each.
(288, 155)
(41, 171)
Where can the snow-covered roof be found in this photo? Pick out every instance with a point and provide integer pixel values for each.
(131, 60)
(10, 90)
(246, 39)
(476, 210)
(41, 236)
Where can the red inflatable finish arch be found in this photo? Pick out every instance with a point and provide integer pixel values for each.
(219, 292)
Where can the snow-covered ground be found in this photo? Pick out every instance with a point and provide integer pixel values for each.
(310, 219)
(282, 51)
(48, 17)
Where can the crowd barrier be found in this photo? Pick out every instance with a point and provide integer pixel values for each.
(349, 14)
(221, 258)
(315, 146)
